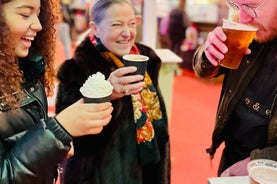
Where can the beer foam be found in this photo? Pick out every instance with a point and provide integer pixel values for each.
(96, 86)
(263, 171)
(228, 24)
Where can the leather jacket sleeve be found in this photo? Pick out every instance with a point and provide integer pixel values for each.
(31, 144)
(202, 67)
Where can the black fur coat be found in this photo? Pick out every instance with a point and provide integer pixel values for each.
(111, 156)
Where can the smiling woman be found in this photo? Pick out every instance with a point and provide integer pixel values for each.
(134, 146)
(23, 33)
(32, 17)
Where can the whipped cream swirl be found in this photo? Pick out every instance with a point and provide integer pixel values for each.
(96, 86)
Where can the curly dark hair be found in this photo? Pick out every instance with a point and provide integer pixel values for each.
(11, 77)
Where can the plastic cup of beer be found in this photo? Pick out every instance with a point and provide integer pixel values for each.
(239, 36)
(262, 171)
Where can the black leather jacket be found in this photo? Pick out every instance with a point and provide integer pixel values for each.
(234, 84)
(31, 144)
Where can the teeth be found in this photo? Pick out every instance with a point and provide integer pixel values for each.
(29, 38)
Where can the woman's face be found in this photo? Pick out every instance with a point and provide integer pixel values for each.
(117, 31)
(21, 16)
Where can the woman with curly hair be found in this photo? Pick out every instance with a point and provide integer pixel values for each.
(31, 143)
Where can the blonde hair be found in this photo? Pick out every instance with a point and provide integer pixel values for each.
(98, 8)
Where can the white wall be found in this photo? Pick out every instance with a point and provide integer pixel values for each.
(149, 23)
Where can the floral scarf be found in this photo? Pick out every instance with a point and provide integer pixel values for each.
(146, 108)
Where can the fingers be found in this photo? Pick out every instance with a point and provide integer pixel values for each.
(98, 123)
(213, 55)
(98, 114)
(217, 36)
(214, 46)
(95, 126)
(81, 119)
(131, 79)
(132, 88)
(124, 84)
(120, 72)
(120, 76)
(96, 107)
(124, 90)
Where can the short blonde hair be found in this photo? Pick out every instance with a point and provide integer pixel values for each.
(98, 8)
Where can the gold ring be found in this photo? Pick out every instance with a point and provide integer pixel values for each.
(124, 90)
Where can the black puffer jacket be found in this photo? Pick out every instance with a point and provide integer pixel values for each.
(31, 144)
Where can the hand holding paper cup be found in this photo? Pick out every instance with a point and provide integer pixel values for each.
(137, 60)
(239, 36)
(96, 89)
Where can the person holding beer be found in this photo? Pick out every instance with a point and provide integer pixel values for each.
(246, 119)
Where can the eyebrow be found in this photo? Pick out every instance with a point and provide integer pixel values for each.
(25, 6)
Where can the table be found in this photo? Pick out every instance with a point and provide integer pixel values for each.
(229, 180)
(168, 70)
